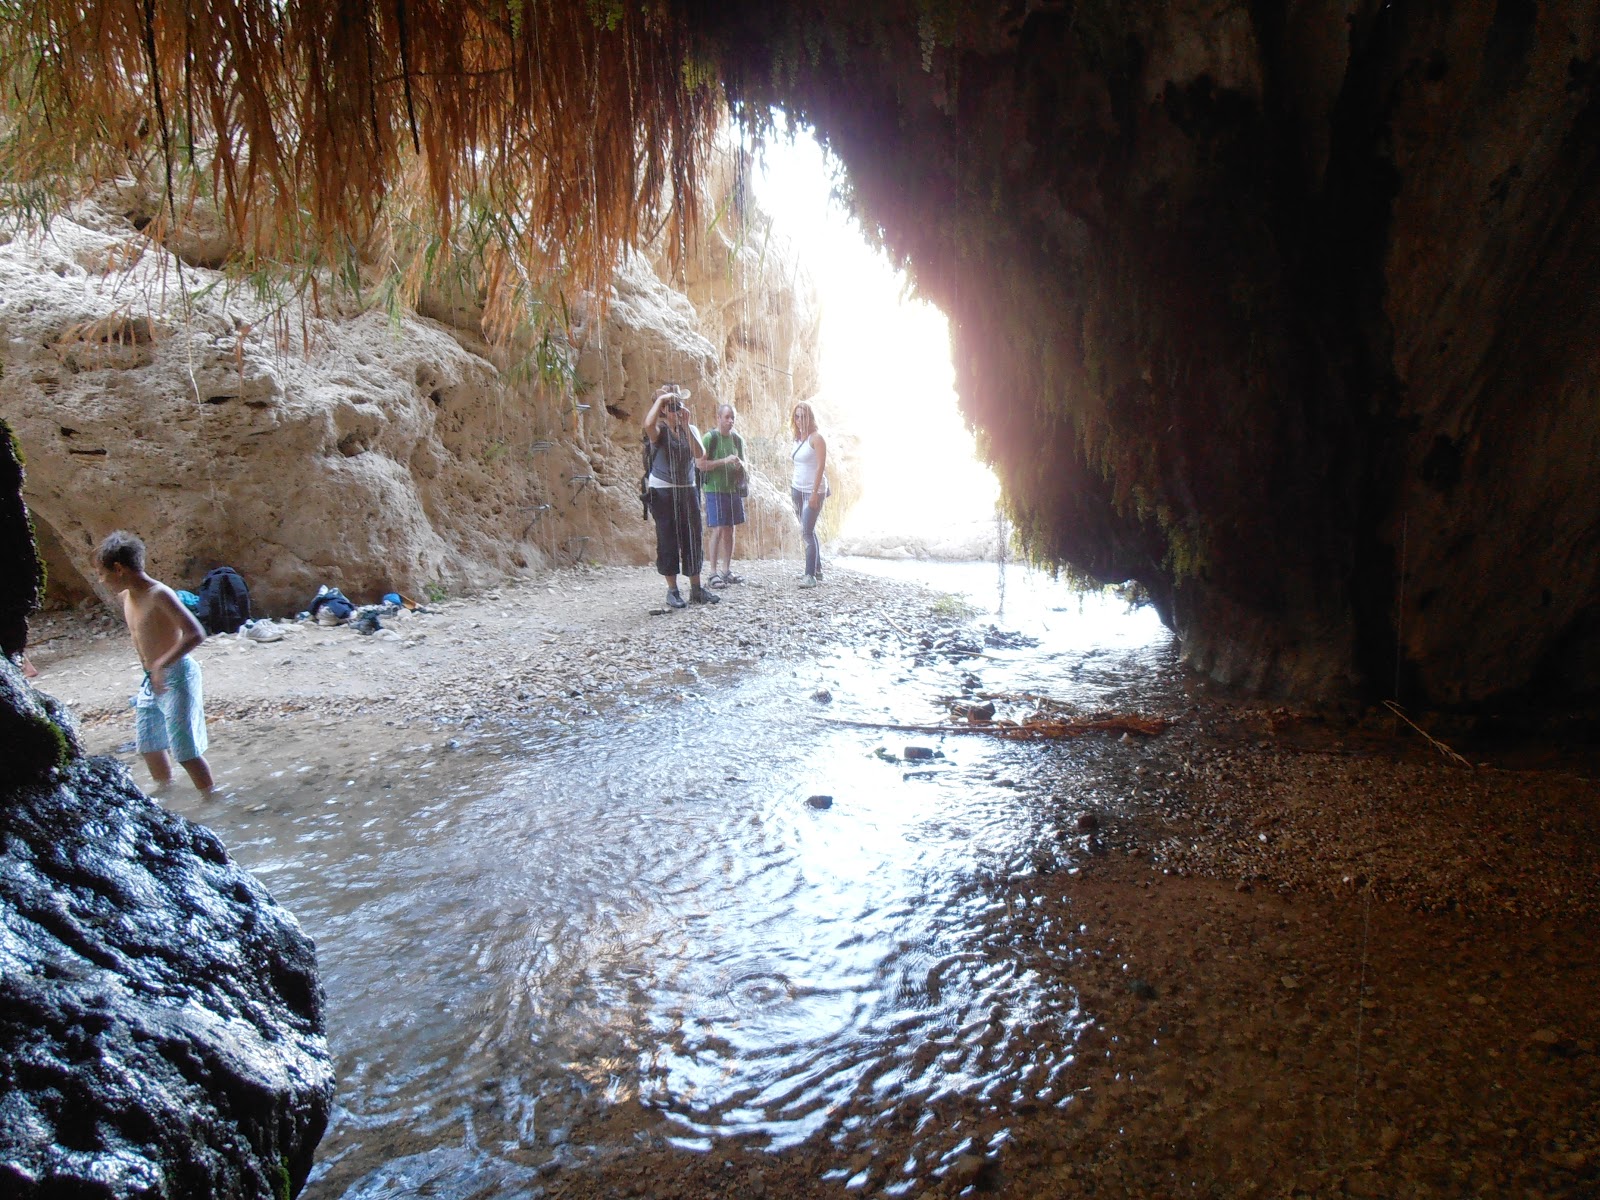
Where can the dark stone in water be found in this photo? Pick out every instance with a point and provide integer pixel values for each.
(161, 1017)
(915, 752)
(974, 712)
(1007, 639)
(820, 801)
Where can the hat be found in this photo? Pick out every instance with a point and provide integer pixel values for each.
(678, 392)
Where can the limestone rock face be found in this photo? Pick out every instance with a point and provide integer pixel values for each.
(161, 1024)
(1287, 312)
(194, 430)
(306, 443)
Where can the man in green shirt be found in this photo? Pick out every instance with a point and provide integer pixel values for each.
(725, 489)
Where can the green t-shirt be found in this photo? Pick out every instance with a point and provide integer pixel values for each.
(722, 479)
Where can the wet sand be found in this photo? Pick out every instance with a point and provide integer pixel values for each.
(1313, 957)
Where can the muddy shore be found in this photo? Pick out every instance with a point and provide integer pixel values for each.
(1314, 956)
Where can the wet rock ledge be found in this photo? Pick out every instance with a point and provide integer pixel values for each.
(161, 1018)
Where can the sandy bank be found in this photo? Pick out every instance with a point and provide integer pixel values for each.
(559, 646)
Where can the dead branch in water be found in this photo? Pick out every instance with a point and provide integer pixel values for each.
(1030, 730)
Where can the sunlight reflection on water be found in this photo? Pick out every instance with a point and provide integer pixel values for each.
(648, 911)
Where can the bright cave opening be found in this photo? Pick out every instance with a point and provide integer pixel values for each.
(887, 383)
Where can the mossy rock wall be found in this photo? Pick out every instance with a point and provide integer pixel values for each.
(22, 582)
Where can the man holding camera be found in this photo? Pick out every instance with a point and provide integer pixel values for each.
(675, 455)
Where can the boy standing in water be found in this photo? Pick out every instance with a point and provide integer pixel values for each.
(168, 709)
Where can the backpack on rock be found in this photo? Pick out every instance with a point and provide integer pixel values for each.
(224, 601)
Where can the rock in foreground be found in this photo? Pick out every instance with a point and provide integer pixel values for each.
(161, 1018)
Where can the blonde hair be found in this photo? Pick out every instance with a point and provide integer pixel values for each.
(808, 419)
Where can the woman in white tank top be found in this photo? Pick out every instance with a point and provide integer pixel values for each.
(808, 486)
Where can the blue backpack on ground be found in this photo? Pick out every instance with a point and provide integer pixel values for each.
(224, 601)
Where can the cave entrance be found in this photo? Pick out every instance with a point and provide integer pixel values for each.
(888, 397)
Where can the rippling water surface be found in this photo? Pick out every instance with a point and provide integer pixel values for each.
(520, 936)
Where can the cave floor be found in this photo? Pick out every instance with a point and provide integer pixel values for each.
(1321, 958)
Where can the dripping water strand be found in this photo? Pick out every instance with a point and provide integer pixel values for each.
(1400, 609)
(1000, 558)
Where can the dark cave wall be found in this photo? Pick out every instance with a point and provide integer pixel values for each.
(1284, 311)
(1493, 269)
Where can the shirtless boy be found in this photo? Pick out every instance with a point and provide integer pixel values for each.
(168, 709)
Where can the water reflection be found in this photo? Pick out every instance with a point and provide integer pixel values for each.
(516, 938)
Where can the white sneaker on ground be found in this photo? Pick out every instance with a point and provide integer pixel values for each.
(809, 581)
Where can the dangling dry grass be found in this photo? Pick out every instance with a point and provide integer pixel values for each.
(532, 135)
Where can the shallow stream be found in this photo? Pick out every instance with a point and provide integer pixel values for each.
(527, 934)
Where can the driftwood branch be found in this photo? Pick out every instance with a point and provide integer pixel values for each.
(1029, 730)
(1449, 754)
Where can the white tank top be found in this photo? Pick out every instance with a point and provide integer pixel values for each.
(804, 456)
